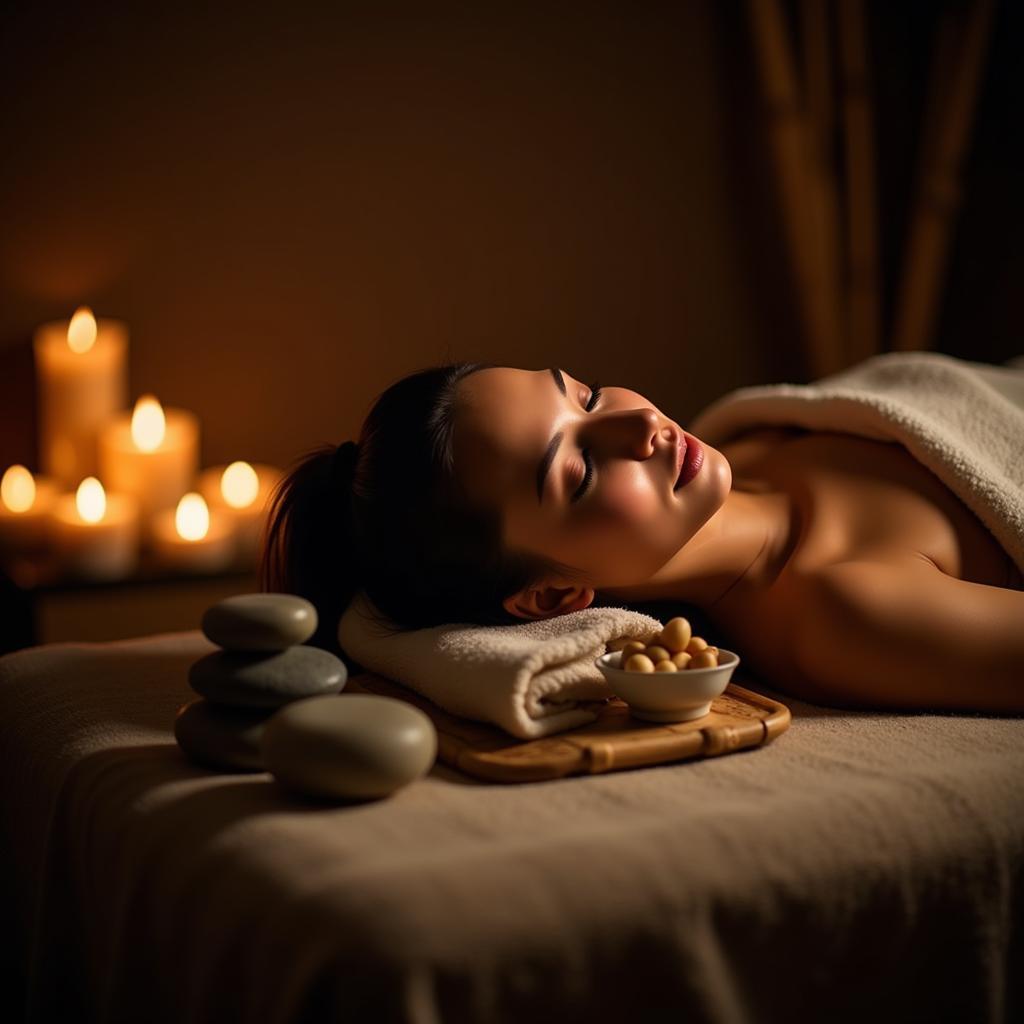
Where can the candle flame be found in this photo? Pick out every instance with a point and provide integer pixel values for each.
(82, 330)
(148, 424)
(17, 489)
(91, 500)
(192, 517)
(239, 485)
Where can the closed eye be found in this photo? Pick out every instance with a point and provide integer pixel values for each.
(595, 397)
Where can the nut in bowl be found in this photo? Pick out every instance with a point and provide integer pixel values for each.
(668, 696)
(672, 677)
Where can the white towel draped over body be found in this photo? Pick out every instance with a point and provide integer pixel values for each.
(963, 420)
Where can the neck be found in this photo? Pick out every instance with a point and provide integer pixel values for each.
(740, 548)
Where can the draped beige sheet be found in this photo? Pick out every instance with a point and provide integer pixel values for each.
(862, 866)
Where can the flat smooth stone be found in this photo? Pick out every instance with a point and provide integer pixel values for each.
(250, 680)
(222, 738)
(355, 746)
(260, 622)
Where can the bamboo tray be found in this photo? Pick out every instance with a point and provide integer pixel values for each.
(739, 719)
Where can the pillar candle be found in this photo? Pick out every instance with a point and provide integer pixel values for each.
(26, 502)
(191, 538)
(151, 453)
(96, 534)
(82, 380)
(241, 492)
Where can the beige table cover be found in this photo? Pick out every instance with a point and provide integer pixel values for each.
(864, 866)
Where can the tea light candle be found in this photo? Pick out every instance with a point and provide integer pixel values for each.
(96, 534)
(151, 453)
(241, 492)
(191, 538)
(26, 502)
(82, 380)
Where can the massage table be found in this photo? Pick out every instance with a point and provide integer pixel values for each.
(862, 866)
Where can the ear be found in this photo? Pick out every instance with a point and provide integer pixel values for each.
(546, 602)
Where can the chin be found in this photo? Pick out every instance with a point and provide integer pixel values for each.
(713, 483)
(717, 468)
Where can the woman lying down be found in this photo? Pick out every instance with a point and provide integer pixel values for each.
(842, 570)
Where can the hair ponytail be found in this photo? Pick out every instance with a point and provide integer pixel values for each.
(308, 546)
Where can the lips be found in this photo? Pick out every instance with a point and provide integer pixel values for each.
(692, 460)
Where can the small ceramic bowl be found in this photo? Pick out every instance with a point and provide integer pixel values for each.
(669, 696)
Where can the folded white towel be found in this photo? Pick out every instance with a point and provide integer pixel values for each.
(532, 678)
(963, 420)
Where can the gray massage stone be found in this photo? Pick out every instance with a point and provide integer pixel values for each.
(225, 739)
(260, 622)
(249, 680)
(352, 747)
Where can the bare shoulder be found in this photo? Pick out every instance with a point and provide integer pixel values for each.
(898, 632)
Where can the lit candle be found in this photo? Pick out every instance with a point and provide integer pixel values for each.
(25, 505)
(152, 453)
(82, 380)
(191, 538)
(96, 534)
(241, 492)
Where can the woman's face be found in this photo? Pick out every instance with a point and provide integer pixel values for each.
(629, 521)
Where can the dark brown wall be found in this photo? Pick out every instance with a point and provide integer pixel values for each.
(294, 206)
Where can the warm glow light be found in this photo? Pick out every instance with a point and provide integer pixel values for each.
(18, 489)
(192, 517)
(91, 500)
(239, 484)
(148, 424)
(82, 330)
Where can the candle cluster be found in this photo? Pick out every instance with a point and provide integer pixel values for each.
(118, 484)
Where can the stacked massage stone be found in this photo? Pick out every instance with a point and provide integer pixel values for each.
(263, 665)
(270, 703)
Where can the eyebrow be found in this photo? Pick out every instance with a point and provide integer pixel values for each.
(549, 454)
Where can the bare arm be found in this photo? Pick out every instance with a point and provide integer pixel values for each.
(907, 635)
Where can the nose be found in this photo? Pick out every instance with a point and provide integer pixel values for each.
(628, 433)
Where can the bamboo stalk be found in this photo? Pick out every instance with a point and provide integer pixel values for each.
(939, 192)
(822, 203)
(863, 326)
(788, 131)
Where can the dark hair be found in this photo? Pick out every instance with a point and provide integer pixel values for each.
(388, 516)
